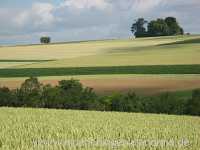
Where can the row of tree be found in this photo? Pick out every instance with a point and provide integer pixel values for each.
(70, 94)
(160, 27)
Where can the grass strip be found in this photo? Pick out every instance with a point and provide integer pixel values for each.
(154, 69)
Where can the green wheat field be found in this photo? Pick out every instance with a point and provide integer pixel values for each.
(37, 129)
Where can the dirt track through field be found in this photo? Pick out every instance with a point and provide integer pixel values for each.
(138, 84)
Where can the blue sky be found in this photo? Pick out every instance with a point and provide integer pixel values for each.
(25, 21)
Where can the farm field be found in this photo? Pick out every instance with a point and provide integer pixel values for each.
(131, 56)
(56, 129)
(107, 84)
(99, 75)
(176, 55)
(145, 51)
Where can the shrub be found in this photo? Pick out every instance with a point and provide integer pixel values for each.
(194, 103)
(5, 97)
(70, 94)
(89, 100)
(169, 104)
(51, 97)
(30, 92)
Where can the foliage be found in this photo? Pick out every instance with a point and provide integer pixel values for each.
(6, 97)
(30, 92)
(138, 28)
(194, 103)
(45, 40)
(160, 27)
(70, 94)
(174, 28)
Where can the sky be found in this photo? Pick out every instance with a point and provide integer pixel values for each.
(25, 21)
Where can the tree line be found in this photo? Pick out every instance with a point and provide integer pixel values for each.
(70, 94)
(160, 27)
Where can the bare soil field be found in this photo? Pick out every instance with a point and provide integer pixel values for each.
(147, 85)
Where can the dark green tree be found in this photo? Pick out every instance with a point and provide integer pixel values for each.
(127, 103)
(194, 103)
(30, 92)
(138, 28)
(89, 100)
(52, 97)
(45, 40)
(6, 97)
(71, 91)
(173, 25)
(158, 28)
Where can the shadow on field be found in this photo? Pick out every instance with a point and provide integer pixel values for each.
(152, 47)
(190, 41)
(129, 49)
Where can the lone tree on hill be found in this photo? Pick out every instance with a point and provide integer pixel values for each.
(45, 40)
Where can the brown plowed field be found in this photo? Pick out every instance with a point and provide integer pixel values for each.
(141, 85)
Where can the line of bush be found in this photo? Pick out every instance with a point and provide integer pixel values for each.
(154, 69)
(70, 94)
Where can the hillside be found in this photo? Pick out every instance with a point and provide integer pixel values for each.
(159, 56)
(145, 51)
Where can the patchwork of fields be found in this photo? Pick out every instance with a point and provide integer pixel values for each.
(147, 66)
(28, 129)
(162, 55)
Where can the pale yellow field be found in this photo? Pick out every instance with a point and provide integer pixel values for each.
(181, 54)
(42, 129)
(144, 51)
(14, 64)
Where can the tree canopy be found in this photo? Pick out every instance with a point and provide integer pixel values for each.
(45, 40)
(160, 27)
(138, 27)
(71, 94)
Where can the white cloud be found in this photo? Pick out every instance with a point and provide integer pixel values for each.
(146, 5)
(85, 4)
(22, 18)
(43, 12)
(39, 14)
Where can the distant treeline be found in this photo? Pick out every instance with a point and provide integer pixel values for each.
(70, 94)
(160, 27)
